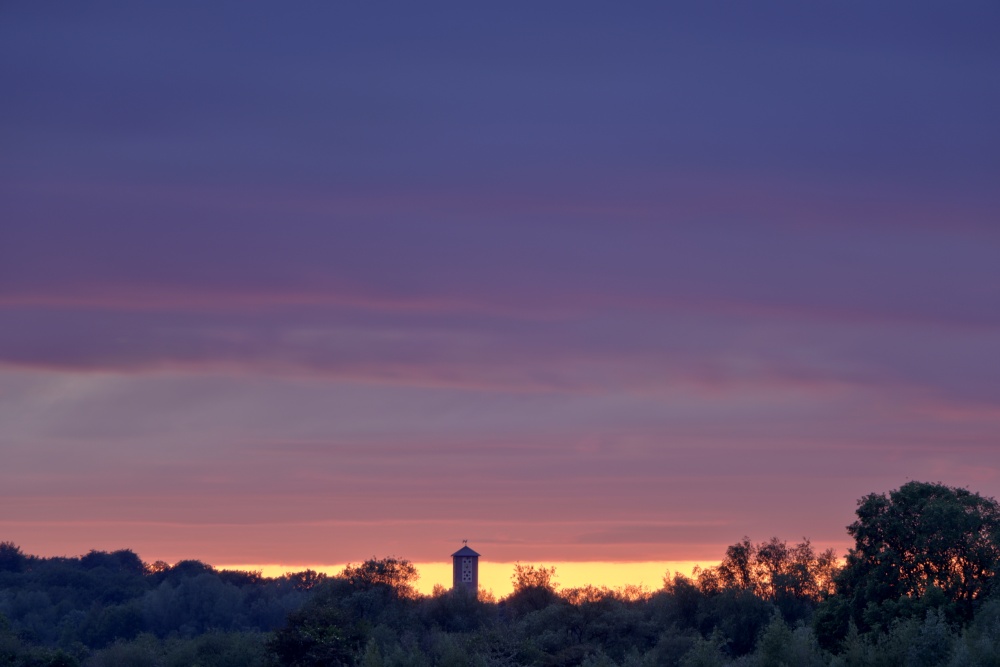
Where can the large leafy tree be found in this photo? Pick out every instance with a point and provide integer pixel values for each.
(922, 544)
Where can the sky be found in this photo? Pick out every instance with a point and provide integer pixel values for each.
(574, 281)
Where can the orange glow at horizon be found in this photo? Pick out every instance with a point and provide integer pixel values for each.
(496, 576)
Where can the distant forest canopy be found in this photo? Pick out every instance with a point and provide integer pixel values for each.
(918, 588)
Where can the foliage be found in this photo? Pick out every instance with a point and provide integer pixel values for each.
(792, 577)
(781, 646)
(458, 610)
(907, 597)
(12, 559)
(534, 589)
(738, 616)
(923, 546)
(84, 605)
(215, 649)
(529, 576)
(705, 652)
(394, 573)
(323, 636)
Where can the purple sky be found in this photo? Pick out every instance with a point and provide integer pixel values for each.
(573, 281)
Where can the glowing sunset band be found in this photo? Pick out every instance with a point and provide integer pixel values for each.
(496, 577)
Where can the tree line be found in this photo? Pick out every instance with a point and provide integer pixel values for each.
(917, 589)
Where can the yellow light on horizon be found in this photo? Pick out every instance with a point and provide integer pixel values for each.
(496, 577)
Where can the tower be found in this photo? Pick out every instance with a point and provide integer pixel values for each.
(465, 563)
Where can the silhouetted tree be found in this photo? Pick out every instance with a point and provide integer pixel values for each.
(189, 568)
(920, 536)
(306, 580)
(123, 560)
(678, 602)
(395, 573)
(241, 577)
(793, 578)
(736, 615)
(529, 576)
(11, 557)
(921, 547)
(534, 589)
(457, 610)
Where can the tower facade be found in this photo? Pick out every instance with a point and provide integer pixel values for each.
(465, 573)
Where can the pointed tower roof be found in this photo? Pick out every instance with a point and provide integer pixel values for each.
(464, 551)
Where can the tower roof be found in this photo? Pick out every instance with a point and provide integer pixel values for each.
(464, 551)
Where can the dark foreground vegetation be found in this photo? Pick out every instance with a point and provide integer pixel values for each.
(917, 589)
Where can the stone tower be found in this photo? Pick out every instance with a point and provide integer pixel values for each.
(466, 569)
